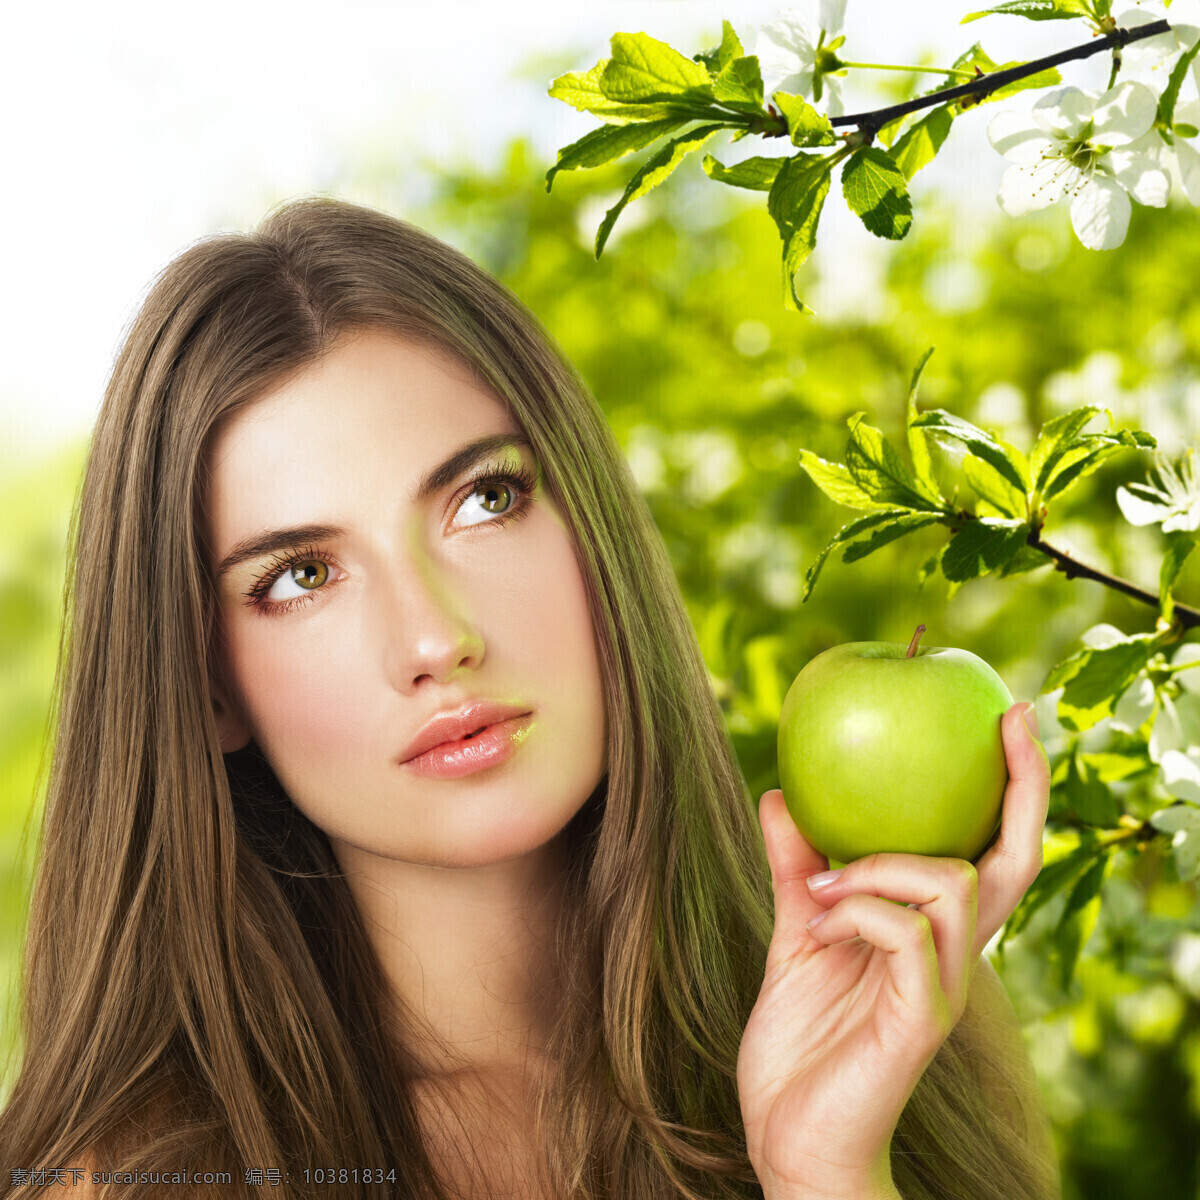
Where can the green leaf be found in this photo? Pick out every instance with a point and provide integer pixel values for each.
(643, 68)
(653, 172)
(609, 143)
(806, 126)
(1034, 10)
(740, 85)
(918, 448)
(835, 480)
(988, 484)
(731, 47)
(1066, 858)
(929, 566)
(1026, 559)
(990, 449)
(1182, 821)
(755, 173)
(1079, 916)
(1050, 77)
(885, 135)
(1180, 543)
(845, 534)
(981, 546)
(1087, 796)
(1165, 118)
(917, 147)
(1126, 757)
(880, 537)
(876, 190)
(1056, 437)
(584, 92)
(1095, 678)
(795, 202)
(1084, 457)
(880, 471)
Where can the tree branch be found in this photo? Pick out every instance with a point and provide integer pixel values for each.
(1183, 615)
(997, 79)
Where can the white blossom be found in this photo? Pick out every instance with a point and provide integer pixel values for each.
(1079, 144)
(1135, 705)
(1177, 726)
(1182, 154)
(796, 54)
(1156, 56)
(1175, 502)
(1179, 773)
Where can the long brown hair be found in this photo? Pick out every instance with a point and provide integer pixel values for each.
(198, 987)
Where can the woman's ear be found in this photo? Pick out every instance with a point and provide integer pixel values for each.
(232, 727)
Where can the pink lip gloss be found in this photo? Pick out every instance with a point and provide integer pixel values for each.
(488, 748)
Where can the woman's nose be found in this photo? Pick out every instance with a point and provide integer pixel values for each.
(428, 629)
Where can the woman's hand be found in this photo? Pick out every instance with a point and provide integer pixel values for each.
(853, 1009)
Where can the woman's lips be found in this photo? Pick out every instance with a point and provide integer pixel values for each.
(488, 748)
(454, 725)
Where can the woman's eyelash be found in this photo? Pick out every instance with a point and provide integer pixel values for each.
(521, 481)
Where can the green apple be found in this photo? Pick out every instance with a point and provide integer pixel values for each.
(883, 749)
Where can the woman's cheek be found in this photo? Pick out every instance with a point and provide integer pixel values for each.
(301, 705)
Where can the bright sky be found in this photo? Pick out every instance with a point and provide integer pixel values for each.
(133, 128)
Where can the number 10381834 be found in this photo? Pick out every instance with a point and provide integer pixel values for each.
(350, 1175)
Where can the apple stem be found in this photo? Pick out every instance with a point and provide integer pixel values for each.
(912, 646)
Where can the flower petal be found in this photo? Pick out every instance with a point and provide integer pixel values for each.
(1124, 113)
(1138, 511)
(1135, 706)
(1141, 176)
(1177, 726)
(1189, 168)
(832, 85)
(1179, 773)
(792, 33)
(833, 15)
(797, 84)
(1188, 652)
(1026, 189)
(1100, 213)
(1186, 519)
(1017, 139)
(1100, 637)
(1065, 112)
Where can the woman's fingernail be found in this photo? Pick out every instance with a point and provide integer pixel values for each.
(824, 879)
(816, 920)
(1030, 717)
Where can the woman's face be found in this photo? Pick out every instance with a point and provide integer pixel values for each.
(412, 602)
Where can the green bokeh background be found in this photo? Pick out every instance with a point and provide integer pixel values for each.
(711, 388)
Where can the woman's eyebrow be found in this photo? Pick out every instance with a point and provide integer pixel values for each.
(273, 540)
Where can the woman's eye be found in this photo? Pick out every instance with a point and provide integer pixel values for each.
(305, 575)
(489, 500)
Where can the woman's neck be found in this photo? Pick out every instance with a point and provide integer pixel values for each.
(468, 954)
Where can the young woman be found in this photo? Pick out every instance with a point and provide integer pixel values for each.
(394, 843)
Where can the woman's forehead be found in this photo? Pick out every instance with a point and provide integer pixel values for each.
(372, 385)
(368, 419)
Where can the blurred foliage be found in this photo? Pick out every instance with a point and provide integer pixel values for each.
(711, 389)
